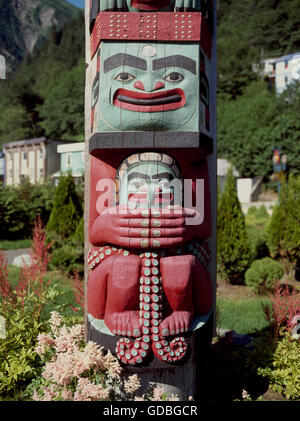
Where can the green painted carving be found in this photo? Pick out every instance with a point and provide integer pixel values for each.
(151, 184)
(148, 87)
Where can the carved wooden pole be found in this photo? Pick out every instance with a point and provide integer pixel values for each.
(151, 185)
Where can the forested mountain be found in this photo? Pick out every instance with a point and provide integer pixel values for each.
(46, 95)
(26, 23)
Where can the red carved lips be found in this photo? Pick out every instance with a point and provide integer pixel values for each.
(149, 102)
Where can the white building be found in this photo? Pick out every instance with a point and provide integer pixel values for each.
(287, 70)
(248, 189)
(71, 160)
(33, 158)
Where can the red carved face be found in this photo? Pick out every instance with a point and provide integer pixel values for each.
(150, 4)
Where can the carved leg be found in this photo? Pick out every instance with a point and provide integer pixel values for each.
(202, 289)
(177, 285)
(97, 289)
(121, 315)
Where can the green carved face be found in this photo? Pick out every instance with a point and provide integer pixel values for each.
(149, 185)
(149, 87)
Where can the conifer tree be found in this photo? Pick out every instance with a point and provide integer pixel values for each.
(232, 239)
(67, 209)
(283, 230)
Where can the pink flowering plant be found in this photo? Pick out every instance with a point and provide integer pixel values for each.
(73, 370)
(22, 310)
(77, 371)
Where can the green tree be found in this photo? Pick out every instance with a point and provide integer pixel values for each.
(14, 124)
(67, 208)
(283, 230)
(250, 126)
(232, 239)
(21, 205)
(63, 109)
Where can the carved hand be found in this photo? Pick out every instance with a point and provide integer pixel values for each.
(144, 228)
(169, 227)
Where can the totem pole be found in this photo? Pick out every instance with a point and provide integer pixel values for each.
(150, 185)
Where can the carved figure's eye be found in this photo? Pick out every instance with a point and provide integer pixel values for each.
(136, 185)
(174, 77)
(124, 77)
(164, 183)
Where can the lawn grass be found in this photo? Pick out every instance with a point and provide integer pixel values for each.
(63, 303)
(244, 316)
(15, 244)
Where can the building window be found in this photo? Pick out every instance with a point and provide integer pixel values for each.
(41, 172)
(69, 159)
(24, 155)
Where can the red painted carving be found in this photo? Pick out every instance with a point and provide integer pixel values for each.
(151, 280)
(179, 27)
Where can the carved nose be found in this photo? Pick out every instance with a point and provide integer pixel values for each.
(139, 85)
(158, 85)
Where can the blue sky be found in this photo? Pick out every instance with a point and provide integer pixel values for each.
(78, 3)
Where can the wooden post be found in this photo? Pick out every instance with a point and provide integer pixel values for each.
(150, 186)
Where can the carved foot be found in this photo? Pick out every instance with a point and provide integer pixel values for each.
(177, 322)
(126, 323)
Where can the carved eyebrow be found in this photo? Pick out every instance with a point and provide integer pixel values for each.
(166, 175)
(122, 59)
(175, 61)
(138, 175)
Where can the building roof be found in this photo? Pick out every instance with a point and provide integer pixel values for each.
(33, 142)
(71, 147)
(287, 57)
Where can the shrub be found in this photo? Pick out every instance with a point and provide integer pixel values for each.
(258, 243)
(67, 208)
(69, 257)
(282, 368)
(257, 217)
(285, 305)
(283, 230)
(285, 369)
(232, 239)
(263, 275)
(79, 233)
(21, 205)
